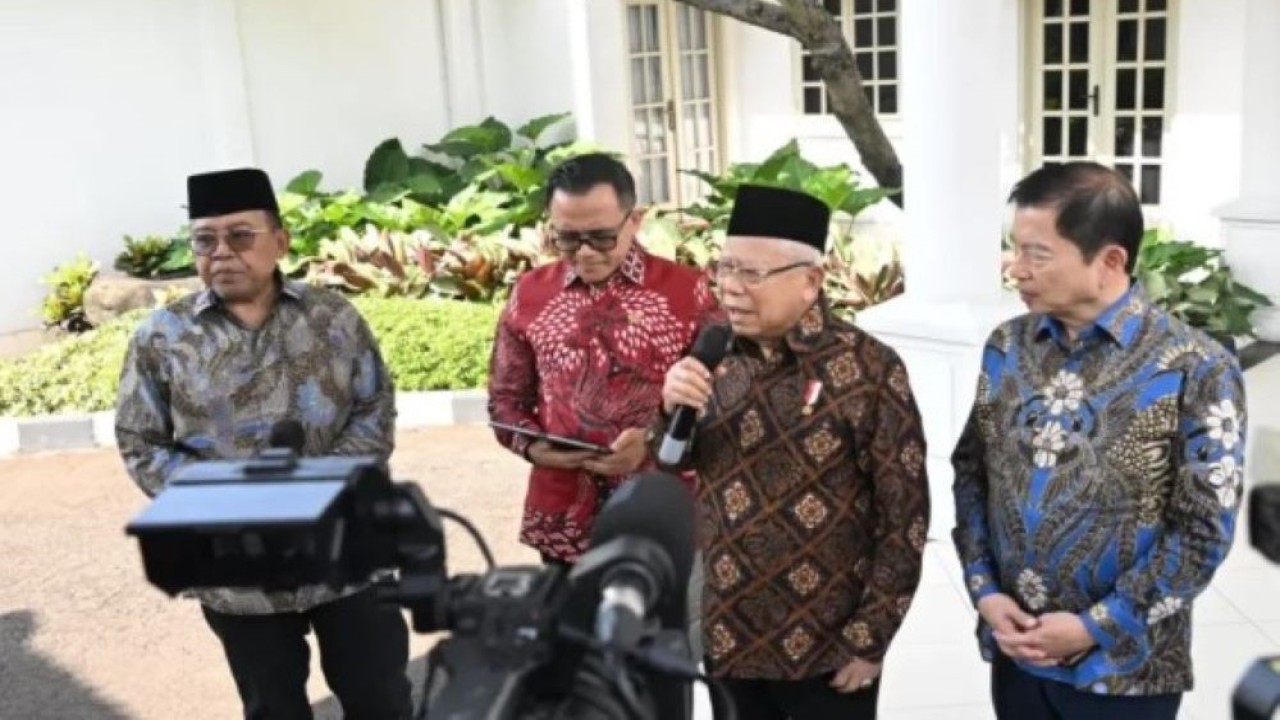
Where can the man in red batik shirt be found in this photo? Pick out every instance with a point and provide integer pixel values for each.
(582, 348)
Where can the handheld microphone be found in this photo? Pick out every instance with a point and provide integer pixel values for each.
(709, 349)
(288, 435)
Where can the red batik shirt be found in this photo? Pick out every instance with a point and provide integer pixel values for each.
(588, 362)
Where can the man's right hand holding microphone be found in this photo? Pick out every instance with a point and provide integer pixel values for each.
(688, 383)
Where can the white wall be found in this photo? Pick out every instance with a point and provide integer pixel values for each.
(759, 107)
(601, 83)
(762, 104)
(1205, 135)
(525, 45)
(329, 79)
(1203, 144)
(553, 56)
(116, 103)
(762, 111)
(103, 116)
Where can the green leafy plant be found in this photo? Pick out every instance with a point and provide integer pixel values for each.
(497, 170)
(695, 235)
(142, 257)
(380, 262)
(475, 183)
(64, 304)
(836, 185)
(314, 216)
(683, 239)
(485, 267)
(1194, 283)
(854, 283)
(179, 261)
(468, 266)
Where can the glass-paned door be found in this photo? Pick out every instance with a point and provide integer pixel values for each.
(1101, 80)
(672, 58)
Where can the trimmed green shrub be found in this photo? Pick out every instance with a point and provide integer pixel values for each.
(430, 344)
(433, 344)
(78, 374)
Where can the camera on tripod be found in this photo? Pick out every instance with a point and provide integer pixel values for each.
(606, 640)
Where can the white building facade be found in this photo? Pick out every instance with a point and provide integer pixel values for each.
(107, 107)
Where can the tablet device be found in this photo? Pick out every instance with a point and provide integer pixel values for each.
(558, 441)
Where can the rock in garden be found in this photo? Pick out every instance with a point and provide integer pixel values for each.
(113, 295)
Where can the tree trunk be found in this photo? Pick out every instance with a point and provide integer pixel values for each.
(807, 22)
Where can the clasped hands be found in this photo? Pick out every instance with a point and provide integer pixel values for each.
(1056, 638)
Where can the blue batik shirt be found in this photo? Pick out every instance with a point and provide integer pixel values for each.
(1102, 477)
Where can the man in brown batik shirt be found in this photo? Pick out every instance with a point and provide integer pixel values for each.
(813, 498)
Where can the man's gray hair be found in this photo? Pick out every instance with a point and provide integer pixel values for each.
(800, 252)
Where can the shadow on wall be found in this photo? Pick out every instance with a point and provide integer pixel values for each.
(32, 687)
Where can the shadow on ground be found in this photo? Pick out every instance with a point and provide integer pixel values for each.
(32, 687)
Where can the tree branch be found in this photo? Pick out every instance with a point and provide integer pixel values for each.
(753, 12)
(809, 23)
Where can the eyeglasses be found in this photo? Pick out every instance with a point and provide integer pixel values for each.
(599, 240)
(751, 277)
(205, 242)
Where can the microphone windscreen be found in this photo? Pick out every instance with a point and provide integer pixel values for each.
(655, 506)
(712, 344)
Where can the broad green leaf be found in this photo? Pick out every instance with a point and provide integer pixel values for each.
(387, 164)
(306, 183)
(536, 128)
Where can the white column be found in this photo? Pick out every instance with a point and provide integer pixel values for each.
(960, 108)
(1251, 223)
(597, 52)
(463, 58)
(952, 112)
(227, 97)
(579, 66)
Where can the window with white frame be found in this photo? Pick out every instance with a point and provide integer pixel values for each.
(1100, 85)
(871, 28)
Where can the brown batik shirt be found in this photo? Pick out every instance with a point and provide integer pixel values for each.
(813, 502)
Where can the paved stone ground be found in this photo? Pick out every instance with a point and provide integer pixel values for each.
(82, 635)
(21, 342)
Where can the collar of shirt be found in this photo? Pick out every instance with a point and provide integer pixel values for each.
(632, 267)
(1119, 322)
(805, 335)
(208, 299)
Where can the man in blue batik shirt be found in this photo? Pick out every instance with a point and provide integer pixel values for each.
(1099, 474)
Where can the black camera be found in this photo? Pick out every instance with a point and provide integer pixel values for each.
(1257, 696)
(606, 640)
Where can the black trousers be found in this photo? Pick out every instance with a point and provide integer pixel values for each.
(364, 651)
(809, 699)
(1018, 695)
